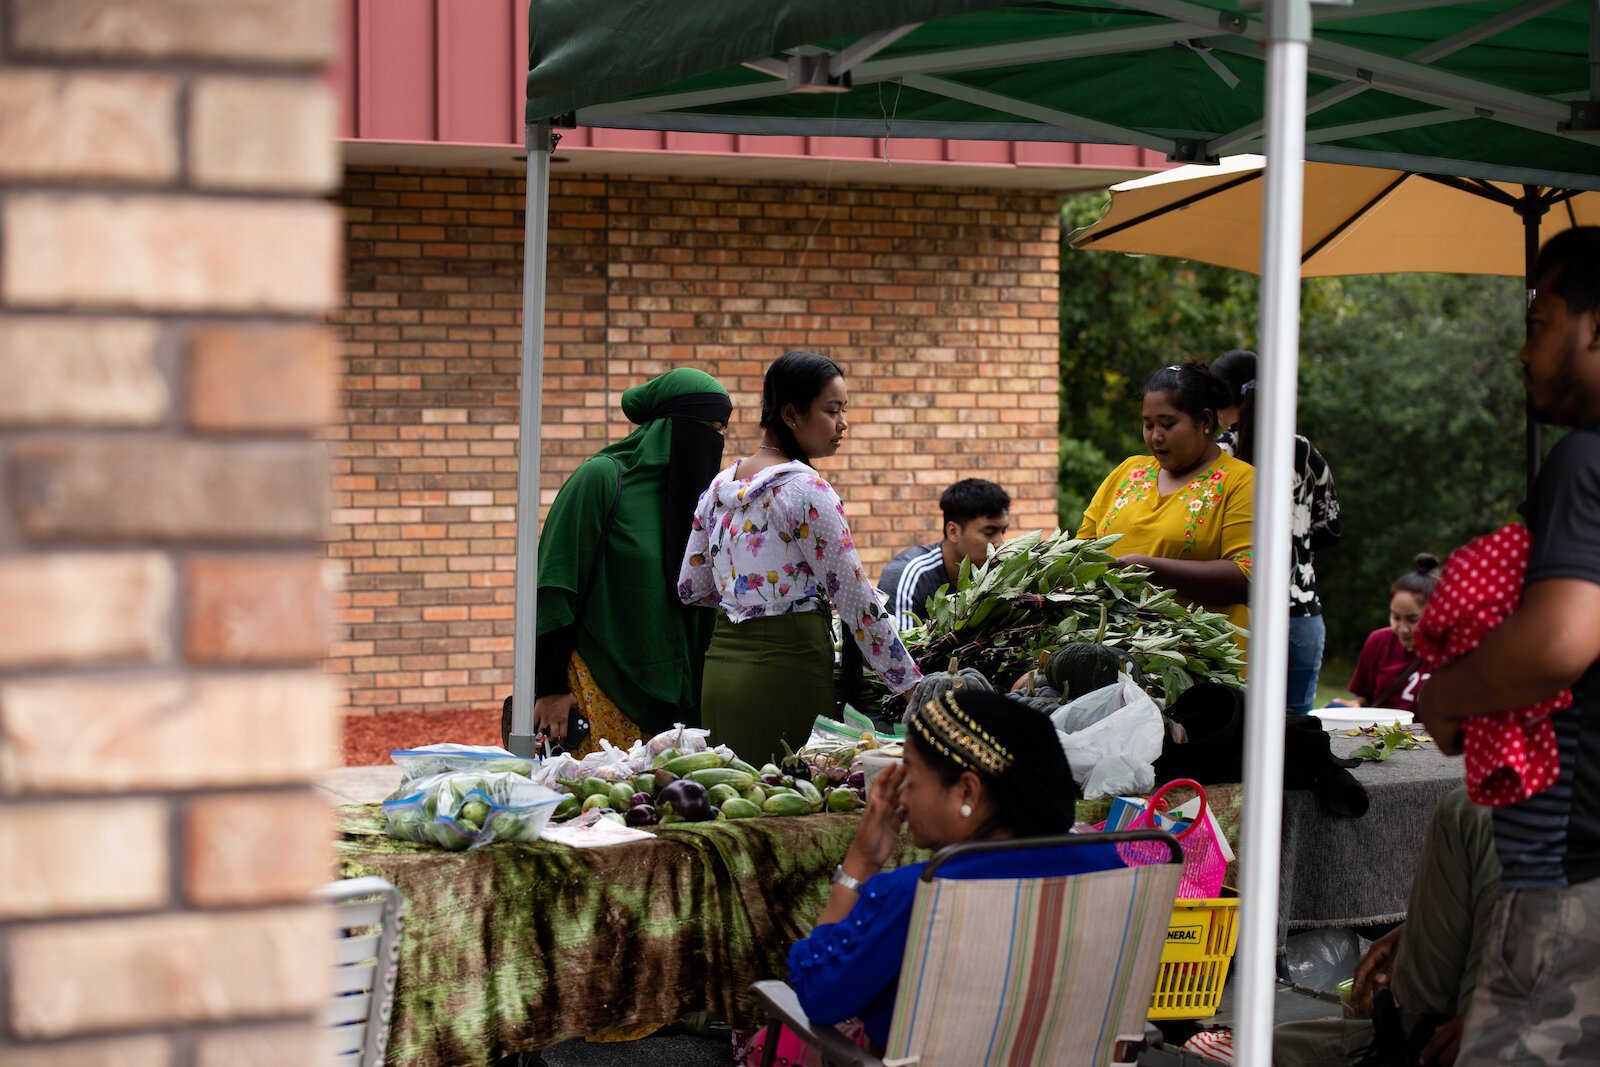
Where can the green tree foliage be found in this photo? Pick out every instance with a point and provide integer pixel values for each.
(1408, 384)
(1121, 318)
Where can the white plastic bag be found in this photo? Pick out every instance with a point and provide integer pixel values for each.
(609, 764)
(1112, 738)
(683, 739)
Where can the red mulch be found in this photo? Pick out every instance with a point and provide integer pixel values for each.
(368, 739)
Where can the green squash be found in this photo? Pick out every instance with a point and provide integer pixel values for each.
(937, 683)
(1084, 666)
(1081, 668)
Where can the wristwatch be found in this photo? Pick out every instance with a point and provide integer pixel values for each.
(850, 882)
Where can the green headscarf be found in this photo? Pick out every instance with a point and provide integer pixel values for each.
(645, 649)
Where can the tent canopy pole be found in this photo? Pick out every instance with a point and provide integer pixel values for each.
(1288, 25)
(536, 230)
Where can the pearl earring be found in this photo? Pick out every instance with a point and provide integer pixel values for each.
(966, 811)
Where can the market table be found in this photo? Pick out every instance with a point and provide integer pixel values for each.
(517, 947)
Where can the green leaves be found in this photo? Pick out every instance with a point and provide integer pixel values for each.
(1392, 739)
(1040, 591)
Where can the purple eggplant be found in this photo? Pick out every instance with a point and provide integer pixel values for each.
(641, 799)
(772, 779)
(688, 798)
(642, 815)
(857, 780)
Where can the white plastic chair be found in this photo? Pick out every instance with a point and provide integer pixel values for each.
(368, 916)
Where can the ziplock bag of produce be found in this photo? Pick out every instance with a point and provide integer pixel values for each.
(448, 756)
(453, 810)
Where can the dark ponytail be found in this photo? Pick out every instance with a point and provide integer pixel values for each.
(1237, 369)
(795, 378)
(1192, 389)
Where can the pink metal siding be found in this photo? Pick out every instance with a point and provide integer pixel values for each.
(454, 71)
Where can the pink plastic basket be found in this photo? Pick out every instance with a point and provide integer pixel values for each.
(1203, 861)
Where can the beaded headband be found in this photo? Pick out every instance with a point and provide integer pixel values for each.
(957, 735)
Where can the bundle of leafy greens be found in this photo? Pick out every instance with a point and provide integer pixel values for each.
(1038, 592)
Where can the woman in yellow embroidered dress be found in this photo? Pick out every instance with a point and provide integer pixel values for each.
(1184, 511)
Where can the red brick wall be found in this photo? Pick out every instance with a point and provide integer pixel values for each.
(939, 303)
(168, 257)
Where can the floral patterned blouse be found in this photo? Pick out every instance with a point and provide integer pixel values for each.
(1210, 518)
(778, 543)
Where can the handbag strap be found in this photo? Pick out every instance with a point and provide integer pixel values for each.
(599, 551)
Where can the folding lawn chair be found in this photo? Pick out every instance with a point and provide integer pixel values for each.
(368, 915)
(1055, 970)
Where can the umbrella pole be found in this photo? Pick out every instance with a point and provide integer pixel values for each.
(1531, 208)
(536, 231)
(1288, 26)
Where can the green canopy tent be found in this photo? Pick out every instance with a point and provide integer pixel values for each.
(1489, 89)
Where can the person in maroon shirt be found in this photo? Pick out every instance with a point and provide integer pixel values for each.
(1388, 672)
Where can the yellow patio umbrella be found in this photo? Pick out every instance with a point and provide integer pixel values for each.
(1357, 220)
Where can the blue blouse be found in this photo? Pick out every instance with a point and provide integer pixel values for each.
(851, 969)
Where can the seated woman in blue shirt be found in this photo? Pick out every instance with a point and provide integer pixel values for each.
(977, 766)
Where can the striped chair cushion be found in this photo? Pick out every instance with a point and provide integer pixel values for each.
(1030, 971)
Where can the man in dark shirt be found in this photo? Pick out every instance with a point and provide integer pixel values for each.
(976, 516)
(1538, 995)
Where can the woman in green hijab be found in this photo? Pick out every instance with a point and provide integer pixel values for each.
(614, 641)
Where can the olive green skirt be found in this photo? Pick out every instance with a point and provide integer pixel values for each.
(766, 681)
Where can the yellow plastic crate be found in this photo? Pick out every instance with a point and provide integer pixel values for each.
(1194, 963)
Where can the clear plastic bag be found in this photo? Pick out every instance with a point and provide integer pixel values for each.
(457, 810)
(447, 756)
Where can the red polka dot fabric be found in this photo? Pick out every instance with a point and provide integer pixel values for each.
(1510, 756)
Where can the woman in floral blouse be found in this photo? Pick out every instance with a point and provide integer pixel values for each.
(771, 549)
(1184, 511)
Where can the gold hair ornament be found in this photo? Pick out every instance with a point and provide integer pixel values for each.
(953, 733)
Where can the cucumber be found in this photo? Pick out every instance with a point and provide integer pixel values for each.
(599, 800)
(594, 787)
(723, 776)
(721, 794)
(698, 761)
(621, 796)
(756, 795)
(739, 808)
(740, 765)
(786, 804)
(567, 808)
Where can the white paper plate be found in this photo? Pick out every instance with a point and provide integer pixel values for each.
(1353, 718)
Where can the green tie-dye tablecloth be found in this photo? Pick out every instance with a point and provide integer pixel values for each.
(517, 947)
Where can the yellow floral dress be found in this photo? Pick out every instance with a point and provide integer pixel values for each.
(1209, 518)
(605, 718)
